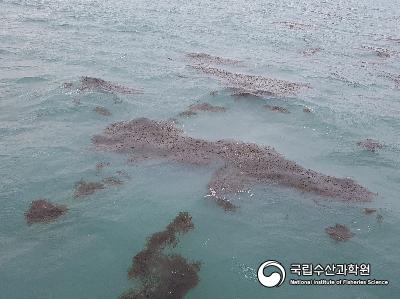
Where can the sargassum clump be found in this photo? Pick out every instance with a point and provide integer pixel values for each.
(201, 107)
(97, 84)
(164, 276)
(339, 232)
(241, 164)
(253, 84)
(42, 210)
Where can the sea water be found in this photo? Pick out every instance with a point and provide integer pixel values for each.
(46, 130)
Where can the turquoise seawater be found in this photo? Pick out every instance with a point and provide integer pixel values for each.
(46, 130)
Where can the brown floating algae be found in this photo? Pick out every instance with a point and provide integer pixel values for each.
(203, 58)
(161, 275)
(276, 109)
(83, 188)
(252, 84)
(42, 210)
(201, 107)
(242, 164)
(370, 144)
(339, 232)
(97, 84)
(102, 111)
(369, 211)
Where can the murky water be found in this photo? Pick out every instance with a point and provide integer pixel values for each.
(347, 51)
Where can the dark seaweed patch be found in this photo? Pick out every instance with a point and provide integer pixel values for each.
(245, 164)
(369, 211)
(393, 77)
(203, 58)
(201, 107)
(187, 113)
(67, 85)
(311, 51)
(42, 210)
(251, 84)
(112, 181)
(243, 94)
(380, 52)
(213, 93)
(379, 218)
(370, 144)
(102, 111)
(161, 275)
(276, 109)
(101, 165)
(97, 84)
(339, 232)
(294, 25)
(83, 188)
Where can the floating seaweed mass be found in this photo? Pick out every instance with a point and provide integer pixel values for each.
(203, 58)
(276, 109)
(395, 78)
(214, 93)
(339, 232)
(251, 84)
(193, 109)
(240, 93)
(42, 210)
(102, 111)
(164, 276)
(311, 51)
(294, 25)
(369, 211)
(101, 165)
(379, 218)
(381, 52)
(243, 164)
(67, 85)
(112, 181)
(207, 107)
(83, 188)
(370, 144)
(90, 83)
(187, 113)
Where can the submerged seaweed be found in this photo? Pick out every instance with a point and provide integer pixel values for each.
(112, 181)
(161, 275)
(339, 232)
(307, 110)
(97, 84)
(393, 77)
(369, 211)
(311, 51)
(244, 164)
(294, 25)
(201, 107)
(203, 58)
(370, 144)
(102, 111)
(242, 83)
(42, 210)
(101, 165)
(380, 52)
(83, 188)
(251, 84)
(276, 109)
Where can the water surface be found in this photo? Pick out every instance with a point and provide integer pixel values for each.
(45, 147)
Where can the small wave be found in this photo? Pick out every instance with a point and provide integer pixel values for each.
(6, 52)
(24, 80)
